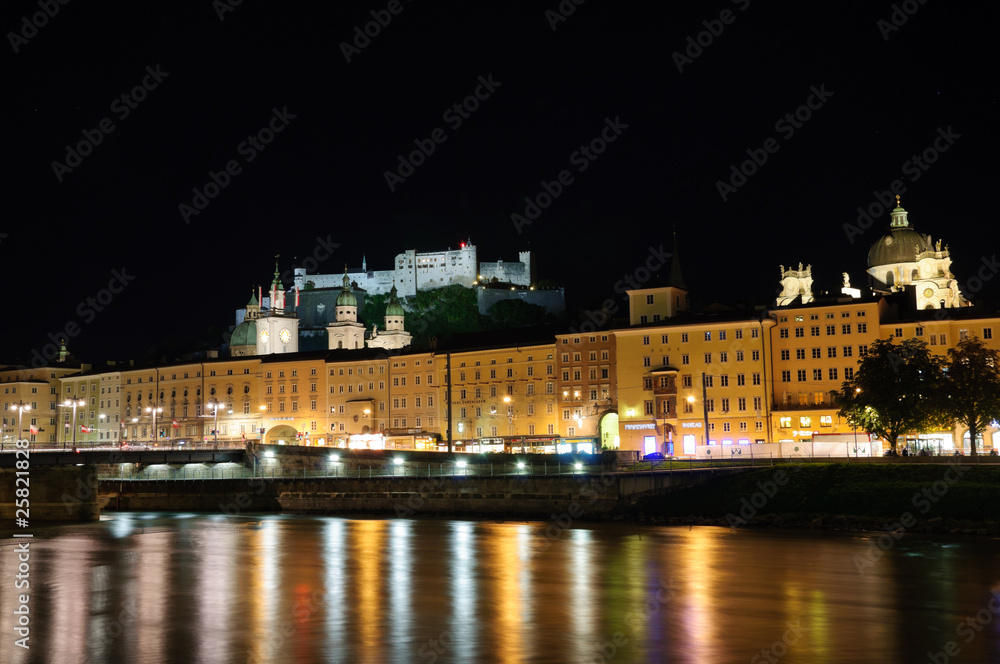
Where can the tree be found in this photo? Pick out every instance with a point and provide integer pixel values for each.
(970, 390)
(893, 391)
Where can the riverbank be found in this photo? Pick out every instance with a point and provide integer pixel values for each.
(956, 499)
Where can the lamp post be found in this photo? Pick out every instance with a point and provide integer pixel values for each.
(73, 403)
(20, 407)
(215, 427)
(154, 411)
(857, 391)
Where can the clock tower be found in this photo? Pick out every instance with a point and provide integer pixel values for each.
(277, 329)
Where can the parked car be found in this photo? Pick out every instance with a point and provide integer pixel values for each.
(654, 456)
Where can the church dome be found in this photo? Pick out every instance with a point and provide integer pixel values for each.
(245, 334)
(394, 308)
(346, 297)
(900, 245)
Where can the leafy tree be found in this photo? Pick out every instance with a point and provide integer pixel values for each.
(970, 390)
(893, 391)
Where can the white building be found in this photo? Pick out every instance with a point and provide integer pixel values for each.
(414, 271)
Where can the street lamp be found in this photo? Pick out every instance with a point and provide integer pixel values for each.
(73, 403)
(857, 391)
(20, 407)
(154, 411)
(215, 427)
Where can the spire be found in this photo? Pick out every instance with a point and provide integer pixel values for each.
(676, 278)
(277, 277)
(899, 216)
(364, 263)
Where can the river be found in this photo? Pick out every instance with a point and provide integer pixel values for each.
(140, 587)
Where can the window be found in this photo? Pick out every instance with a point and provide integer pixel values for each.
(786, 376)
(708, 358)
(800, 332)
(831, 329)
(645, 362)
(785, 423)
(724, 380)
(686, 381)
(642, 320)
(685, 359)
(663, 340)
(740, 379)
(647, 407)
(862, 328)
(741, 403)
(831, 351)
(739, 356)
(848, 351)
(848, 373)
(863, 350)
(722, 335)
(755, 355)
(833, 374)
(708, 380)
(756, 403)
(783, 333)
(725, 404)
(708, 336)
(785, 354)
(826, 420)
(817, 374)
(800, 375)
(723, 356)
(814, 331)
(710, 405)
(987, 332)
(649, 299)
(645, 341)
(816, 353)
(898, 332)
(684, 337)
(754, 333)
(800, 353)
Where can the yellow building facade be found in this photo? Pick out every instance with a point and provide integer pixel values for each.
(675, 375)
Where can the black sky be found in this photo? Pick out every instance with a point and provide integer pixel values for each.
(323, 175)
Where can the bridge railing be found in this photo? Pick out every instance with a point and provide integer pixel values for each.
(200, 472)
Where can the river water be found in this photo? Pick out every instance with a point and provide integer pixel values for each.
(275, 588)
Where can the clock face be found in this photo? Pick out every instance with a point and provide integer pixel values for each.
(285, 336)
(928, 292)
(263, 336)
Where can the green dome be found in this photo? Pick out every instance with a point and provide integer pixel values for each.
(245, 334)
(394, 308)
(346, 297)
(900, 245)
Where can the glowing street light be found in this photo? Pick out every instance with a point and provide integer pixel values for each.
(73, 403)
(154, 411)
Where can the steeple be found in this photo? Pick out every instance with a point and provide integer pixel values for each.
(277, 292)
(899, 216)
(676, 278)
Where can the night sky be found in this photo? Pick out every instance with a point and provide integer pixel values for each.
(882, 91)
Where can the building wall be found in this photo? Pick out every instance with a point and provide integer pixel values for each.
(732, 355)
(482, 378)
(354, 386)
(815, 349)
(586, 382)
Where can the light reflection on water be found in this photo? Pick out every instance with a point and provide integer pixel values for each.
(277, 588)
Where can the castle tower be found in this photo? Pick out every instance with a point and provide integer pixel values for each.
(346, 331)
